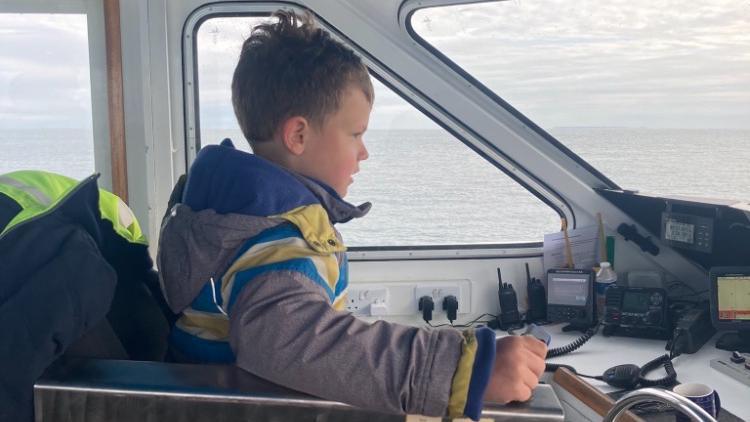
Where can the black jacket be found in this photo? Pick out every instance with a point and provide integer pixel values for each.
(54, 284)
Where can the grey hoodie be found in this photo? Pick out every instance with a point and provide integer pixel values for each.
(283, 328)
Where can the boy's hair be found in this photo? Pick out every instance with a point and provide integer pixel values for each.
(292, 68)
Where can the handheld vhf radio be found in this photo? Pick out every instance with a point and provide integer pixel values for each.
(509, 316)
(537, 297)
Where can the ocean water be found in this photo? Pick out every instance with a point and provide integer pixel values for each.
(427, 188)
(66, 151)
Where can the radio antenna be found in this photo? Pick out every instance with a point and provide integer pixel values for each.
(528, 275)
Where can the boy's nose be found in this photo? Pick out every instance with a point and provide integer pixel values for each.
(363, 154)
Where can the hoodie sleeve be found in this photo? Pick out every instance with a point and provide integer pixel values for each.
(472, 373)
(283, 328)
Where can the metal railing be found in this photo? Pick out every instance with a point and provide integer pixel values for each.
(680, 403)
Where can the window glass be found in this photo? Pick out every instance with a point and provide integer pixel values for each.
(45, 94)
(219, 42)
(426, 187)
(653, 93)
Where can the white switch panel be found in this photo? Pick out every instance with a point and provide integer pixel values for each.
(360, 299)
(401, 298)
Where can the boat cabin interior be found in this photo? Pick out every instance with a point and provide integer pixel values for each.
(514, 147)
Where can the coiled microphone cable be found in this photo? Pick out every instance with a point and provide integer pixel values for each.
(666, 381)
(580, 341)
(627, 376)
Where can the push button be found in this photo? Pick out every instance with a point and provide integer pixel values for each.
(738, 358)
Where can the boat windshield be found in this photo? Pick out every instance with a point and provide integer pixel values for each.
(654, 94)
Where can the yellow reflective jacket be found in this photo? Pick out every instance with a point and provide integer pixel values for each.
(37, 191)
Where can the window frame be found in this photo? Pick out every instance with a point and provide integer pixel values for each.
(98, 90)
(411, 95)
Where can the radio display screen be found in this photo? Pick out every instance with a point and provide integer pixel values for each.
(568, 290)
(635, 302)
(679, 232)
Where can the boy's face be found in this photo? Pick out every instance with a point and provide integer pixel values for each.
(333, 151)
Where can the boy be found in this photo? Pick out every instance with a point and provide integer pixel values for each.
(251, 258)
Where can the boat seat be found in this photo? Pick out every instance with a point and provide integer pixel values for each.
(140, 318)
(100, 341)
(136, 327)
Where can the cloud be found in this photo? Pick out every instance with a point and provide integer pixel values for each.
(587, 63)
(562, 63)
(44, 81)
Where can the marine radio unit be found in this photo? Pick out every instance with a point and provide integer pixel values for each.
(570, 297)
(637, 312)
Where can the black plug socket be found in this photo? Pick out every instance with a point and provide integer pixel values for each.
(450, 306)
(426, 305)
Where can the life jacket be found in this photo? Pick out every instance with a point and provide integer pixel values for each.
(34, 192)
(67, 248)
(54, 286)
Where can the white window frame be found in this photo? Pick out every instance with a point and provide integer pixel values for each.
(94, 11)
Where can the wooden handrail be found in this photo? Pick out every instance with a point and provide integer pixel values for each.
(588, 395)
(115, 107)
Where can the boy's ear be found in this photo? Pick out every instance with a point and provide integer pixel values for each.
(294, 133)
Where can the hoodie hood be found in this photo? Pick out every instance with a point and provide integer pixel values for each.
(229, 197)
(228, 180)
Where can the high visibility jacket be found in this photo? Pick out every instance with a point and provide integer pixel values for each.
(36, 192)
(54, 285)
(66, 248)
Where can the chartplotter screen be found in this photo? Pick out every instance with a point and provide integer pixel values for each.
(733, 297)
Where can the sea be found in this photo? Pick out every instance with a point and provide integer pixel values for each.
(427, 188)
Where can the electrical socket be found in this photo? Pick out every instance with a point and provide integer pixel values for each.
(361, 298)
(438, 291)
(400, 298)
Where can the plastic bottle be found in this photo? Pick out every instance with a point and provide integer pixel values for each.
(605, 277)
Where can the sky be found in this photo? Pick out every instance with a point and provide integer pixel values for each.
(651, 63)
(583, 63)
(44, 72)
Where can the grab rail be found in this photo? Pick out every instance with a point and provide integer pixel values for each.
(96, 389)
(680, 403)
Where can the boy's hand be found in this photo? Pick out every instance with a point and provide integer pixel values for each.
(519, 362)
